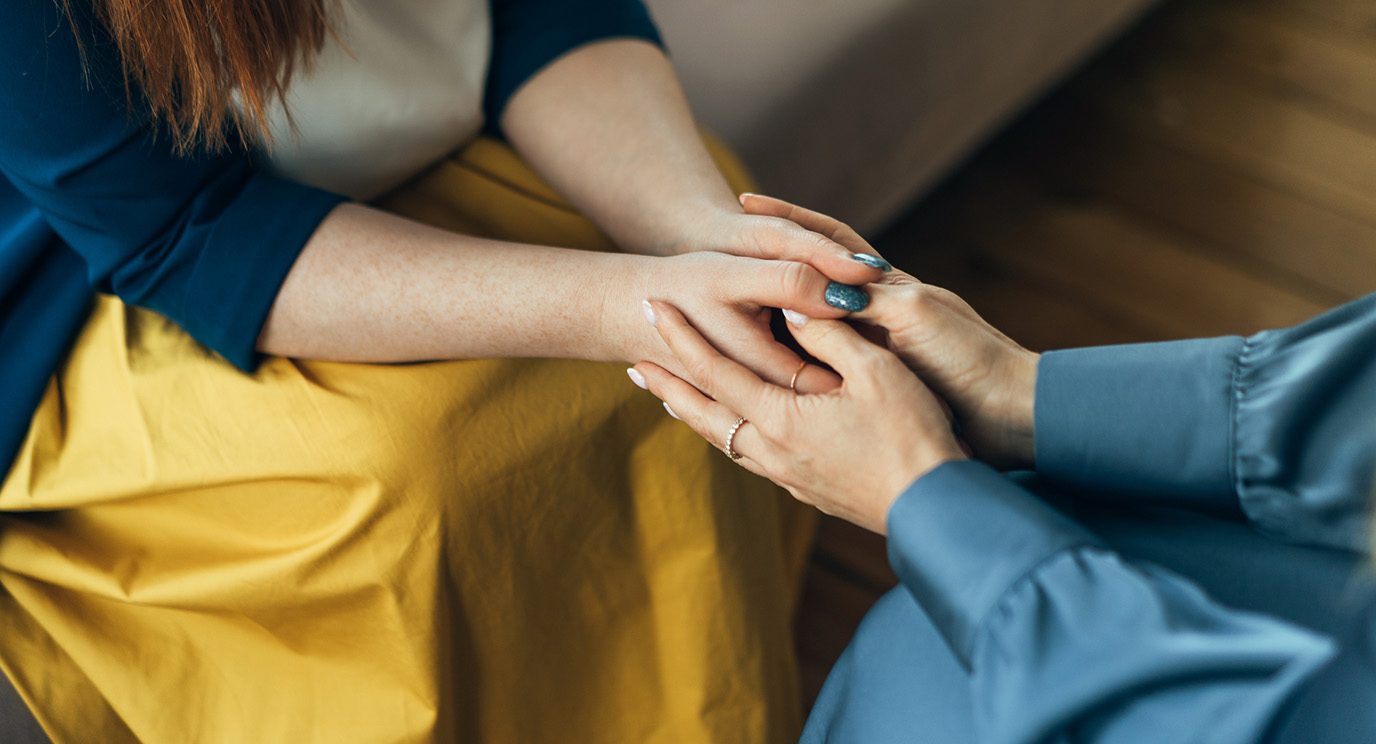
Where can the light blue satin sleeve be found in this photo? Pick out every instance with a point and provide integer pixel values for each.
(1064, 640)
(1089, 648)
(1280, 425)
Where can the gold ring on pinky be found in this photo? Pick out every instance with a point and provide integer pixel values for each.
(731, 438)
(793, 383)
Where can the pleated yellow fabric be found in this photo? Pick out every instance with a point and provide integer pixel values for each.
(489, 551)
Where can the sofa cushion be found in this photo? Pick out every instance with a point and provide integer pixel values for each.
(854, 107)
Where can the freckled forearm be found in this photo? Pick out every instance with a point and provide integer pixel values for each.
(372, 287)
(625, 149)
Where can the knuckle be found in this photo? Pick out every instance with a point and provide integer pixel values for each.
(700, 372)
(774, 236)
(698, 420)
(820, 243)
(706, 379)
(914, 299)
(823, 334)
(874, 359)
(936, 293)
(784, 433)
(911, 294)
(885, 364)
(796, 279)
(761, 243)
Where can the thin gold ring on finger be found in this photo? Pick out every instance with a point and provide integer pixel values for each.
(731, 438)
(793, 383)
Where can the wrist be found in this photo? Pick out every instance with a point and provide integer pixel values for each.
(917, 469)
(708, 225)
(1021, 410)
(1000, 427)
(625, 334)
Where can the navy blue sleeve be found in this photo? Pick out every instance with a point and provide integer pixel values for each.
(204, 239)
(1278, 425)
(527, 35)
(1066, 641)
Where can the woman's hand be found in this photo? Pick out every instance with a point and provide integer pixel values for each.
(729, 299)
(771, 237)
(850, 452)
(987, 378)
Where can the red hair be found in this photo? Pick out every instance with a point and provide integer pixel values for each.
(189, 59)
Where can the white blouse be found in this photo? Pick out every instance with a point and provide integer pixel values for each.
(397, 86)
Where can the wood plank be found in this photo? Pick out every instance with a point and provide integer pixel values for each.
(1032, 312)
(1095, 251)
(1262, 46)
(832, 608)
(855, 552)
(1263, 136)
(1355, 19)
(932, 245)
(1325, 255)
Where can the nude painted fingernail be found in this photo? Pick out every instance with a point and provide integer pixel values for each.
(795, 318)
(743, 197)
(648, 310)
(670, 411)
(845, 297)
(637, 378)
(874, 262)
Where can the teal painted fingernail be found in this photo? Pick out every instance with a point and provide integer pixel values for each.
(848, 298)
(874, 262)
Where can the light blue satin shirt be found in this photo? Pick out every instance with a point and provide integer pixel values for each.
(1193, 564)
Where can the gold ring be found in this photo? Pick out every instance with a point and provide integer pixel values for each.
(793, 383)
(731, 438)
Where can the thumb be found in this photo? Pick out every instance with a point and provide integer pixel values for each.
(892, 307)
(839, 345)
(798, 286)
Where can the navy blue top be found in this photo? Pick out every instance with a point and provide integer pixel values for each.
(94, 199)
(1016, 624)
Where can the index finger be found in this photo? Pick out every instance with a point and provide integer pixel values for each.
(788, 241)
(709, 370)
(816, 222)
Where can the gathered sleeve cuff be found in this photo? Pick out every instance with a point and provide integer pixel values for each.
(1061, 635)
(1141, 419)
(235, 276)
(962, 535)
(1277, 427)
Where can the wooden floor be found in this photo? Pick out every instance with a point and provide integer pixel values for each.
(1214, 172)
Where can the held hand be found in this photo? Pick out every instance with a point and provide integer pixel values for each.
(773, 237)
(729, 297)
(850, 452)
(985, 376)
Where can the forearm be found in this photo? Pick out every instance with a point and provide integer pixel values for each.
(608, 126)
(1274, 427)
(1061, 635)
(372, 287)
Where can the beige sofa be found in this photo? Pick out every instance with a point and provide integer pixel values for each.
(854, 107)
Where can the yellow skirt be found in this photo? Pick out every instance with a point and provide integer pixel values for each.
(491, 551)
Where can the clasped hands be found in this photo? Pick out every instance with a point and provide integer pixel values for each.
(907, 369)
